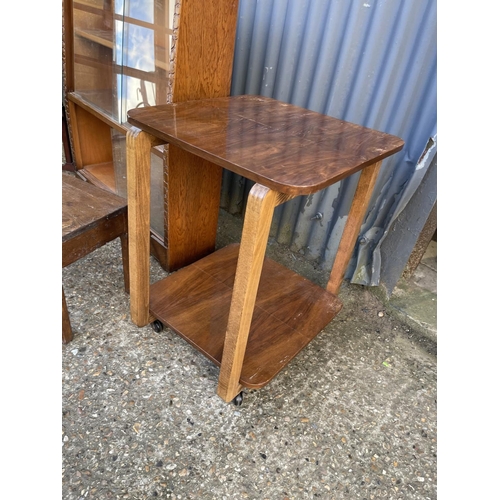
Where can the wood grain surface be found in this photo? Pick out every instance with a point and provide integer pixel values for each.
(195, 302)
(84, 206)
(281, 146)
(139, 146)
(91, 217)
(192, 194)
(204, 49)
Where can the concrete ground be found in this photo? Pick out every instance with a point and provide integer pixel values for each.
(414, 300)
(353, 416)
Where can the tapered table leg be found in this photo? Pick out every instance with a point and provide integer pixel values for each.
(139, 146)
(355, 218)
(258, 217)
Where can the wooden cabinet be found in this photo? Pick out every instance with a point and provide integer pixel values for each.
(125, 54)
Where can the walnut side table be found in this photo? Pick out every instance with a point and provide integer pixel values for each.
(246, 313)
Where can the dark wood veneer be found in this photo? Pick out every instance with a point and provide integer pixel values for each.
(284, 147)
(195, 302)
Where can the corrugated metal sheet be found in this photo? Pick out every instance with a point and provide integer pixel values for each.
(370, 62)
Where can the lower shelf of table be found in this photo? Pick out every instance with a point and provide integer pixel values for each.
(289, 312)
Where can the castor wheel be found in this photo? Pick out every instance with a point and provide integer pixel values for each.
(157, 326)
(238, 400)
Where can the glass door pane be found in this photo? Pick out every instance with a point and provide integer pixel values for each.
(122, 53)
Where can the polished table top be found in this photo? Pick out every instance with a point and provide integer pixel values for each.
(281, 146)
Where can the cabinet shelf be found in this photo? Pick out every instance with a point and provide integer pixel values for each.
(101, 174)
(99, 103)
(105, 38)
(102, 37)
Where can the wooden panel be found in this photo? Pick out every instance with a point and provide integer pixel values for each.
(281, 146)
(91, 218)
(203, 59)
(158, 249)
(204, 49)
(96, 103)
(93, 237)
(195, 301)
(102, 175)
(91, 138)
(192, 193)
